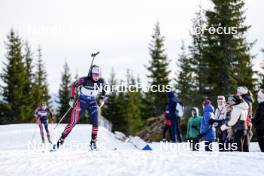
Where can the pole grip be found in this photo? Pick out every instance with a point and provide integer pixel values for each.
(95, 54)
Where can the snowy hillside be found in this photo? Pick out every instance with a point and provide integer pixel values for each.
(114, 157)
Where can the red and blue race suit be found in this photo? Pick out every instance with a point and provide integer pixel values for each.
(89, 90)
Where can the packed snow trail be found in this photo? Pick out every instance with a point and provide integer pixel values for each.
(16, 158)
(18, 137)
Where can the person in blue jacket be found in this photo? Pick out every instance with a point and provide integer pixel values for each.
(175, 126)
(207, 131)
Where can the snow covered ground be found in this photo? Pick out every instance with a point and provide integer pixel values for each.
(18, 157)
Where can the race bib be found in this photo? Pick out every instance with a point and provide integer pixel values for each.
(88, 92)
(42, 113)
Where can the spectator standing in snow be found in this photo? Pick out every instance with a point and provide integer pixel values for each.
(248, 98)
(175, 119)
(218, 121)
(238, 118)
(207, 131)
(193, 129)
(258, 121)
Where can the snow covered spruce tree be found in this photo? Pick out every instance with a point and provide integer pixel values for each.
(226, 54)
(40, 85)
(14, 77)
(120, 114)
(64, 92)
(158, 74)
(29, 99)
(133, 105)
(120, 121)
(122, 107)
(197, 63)
(110, 110)
(185, 79)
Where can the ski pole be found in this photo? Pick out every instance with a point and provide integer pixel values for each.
(51, 124)
(66, 113)
(34, 134)
(62, 117)
(93, 55)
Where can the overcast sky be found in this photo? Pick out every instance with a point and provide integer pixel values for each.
(120, 29)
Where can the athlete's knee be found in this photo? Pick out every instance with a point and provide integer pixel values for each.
(40, 126)
(47, 128)
(94, 121)
(74, 119)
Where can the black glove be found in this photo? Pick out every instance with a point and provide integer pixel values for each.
(195, 127)
(200, 135)
(167, 116)
(212, 121)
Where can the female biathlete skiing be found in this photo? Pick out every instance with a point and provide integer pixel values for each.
(90, 87)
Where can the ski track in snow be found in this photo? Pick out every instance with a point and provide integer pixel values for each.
(17, 159)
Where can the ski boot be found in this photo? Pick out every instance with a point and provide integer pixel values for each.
(93, 144)
(56, 146)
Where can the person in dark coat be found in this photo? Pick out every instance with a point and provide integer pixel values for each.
(175, 126)
(258, 121)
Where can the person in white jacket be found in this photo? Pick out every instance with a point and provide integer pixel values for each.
(248, 98)
(220, 112)
(218, 120)
(237, 120)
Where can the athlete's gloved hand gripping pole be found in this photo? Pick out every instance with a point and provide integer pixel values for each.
(72, 105)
